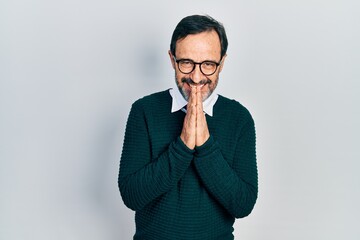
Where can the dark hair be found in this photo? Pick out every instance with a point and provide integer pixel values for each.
(197, 24)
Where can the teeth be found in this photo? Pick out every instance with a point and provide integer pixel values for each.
(197, 85)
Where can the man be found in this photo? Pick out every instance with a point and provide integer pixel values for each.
(188, 165)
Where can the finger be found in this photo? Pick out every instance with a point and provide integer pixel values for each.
(199, 102)
(200, 115)
(193, 94)
(191, 107)
(189, 128)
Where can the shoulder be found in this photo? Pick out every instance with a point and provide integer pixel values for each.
(232, 113)
(154, 100)
(231, 106)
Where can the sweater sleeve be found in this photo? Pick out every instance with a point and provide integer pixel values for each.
(235, 187)
(142, 179)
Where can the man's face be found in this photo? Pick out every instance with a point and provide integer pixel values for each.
(200, 47)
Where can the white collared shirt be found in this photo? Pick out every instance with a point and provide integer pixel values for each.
(179, 102)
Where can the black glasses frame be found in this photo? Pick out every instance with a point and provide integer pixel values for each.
(197, 63)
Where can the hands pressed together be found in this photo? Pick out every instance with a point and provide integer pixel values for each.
(195, 131)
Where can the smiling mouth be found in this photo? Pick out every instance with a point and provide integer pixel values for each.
(191, 83)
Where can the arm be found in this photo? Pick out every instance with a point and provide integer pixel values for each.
(142, 179)
(234, 187)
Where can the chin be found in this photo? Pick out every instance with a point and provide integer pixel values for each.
(206, 95)
(184, 94)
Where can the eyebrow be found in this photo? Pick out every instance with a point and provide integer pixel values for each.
(198, 62)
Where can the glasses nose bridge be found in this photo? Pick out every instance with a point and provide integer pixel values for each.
(197, 74)
(196, 63)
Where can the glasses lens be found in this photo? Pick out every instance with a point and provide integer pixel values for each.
(208, 68)
(186, 66)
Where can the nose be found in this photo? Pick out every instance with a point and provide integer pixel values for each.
(197, 75)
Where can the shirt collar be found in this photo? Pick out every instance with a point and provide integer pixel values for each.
(179, 102)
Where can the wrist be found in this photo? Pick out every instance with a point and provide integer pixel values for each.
(206, 147)
(188, 143)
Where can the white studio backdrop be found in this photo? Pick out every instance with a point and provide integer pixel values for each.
(70, 70)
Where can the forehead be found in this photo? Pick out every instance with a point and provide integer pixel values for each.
(199, 47)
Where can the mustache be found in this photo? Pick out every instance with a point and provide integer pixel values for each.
(191, 82)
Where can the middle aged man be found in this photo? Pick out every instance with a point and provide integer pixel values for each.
(188, 165)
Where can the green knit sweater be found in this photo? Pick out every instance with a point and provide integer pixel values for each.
(179, 193)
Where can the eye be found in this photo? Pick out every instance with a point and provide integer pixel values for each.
(186, 63)
(208, 64)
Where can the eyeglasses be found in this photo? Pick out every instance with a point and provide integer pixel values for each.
(207, 68)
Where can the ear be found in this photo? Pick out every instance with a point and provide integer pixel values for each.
(222, 63)
(171, 59)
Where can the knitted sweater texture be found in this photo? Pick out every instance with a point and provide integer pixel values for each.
(179, 193)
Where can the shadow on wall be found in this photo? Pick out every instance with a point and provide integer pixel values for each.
(152, 63)
(106, 144)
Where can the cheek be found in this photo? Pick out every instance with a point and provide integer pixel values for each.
(213, 83)
(205, 88)
(178, 77)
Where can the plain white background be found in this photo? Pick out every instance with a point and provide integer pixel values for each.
(70, 70)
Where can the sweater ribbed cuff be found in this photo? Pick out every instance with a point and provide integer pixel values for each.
(207, 148)
(182, 149)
